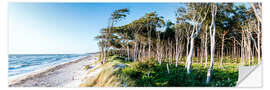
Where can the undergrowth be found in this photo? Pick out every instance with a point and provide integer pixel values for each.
(149, 73)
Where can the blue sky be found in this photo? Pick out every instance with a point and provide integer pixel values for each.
(42, 28)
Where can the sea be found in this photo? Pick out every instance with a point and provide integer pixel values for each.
(20, 64)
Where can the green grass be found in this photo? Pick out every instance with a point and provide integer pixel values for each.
(151, 74)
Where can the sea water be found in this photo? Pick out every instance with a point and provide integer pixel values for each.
(19, 64)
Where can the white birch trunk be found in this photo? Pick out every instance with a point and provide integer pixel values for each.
(212, 36)
(189, 58)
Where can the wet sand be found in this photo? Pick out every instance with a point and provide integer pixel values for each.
(65, 75)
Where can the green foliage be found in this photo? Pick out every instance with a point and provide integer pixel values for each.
(119, 59)
(120, 13)
(151, 74)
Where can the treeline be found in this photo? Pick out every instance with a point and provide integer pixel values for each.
(201, 30)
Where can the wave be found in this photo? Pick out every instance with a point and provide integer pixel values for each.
(27, 63)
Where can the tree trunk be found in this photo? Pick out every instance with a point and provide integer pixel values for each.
(193, 36)
(212, 34)
(242, 48)
(176, 51)
(169, 50)
(259, 44)
(205, 47)
(234, 49)
(201, 52)
(252, 54)
(198, 54)
(187, 47)
(149, 43)
(249, 50)
(189, 58)
(135, 48)
(222, 48)
(127, 46)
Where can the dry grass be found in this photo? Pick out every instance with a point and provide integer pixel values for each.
(86, 67)
(97, 62)
(95, 68)
(105, 78)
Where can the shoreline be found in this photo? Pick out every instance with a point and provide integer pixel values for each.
(18, 81)
(12, 78)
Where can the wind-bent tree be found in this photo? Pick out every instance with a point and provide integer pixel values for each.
(115, 16)
(233, 30)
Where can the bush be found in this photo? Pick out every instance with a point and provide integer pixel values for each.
(151, 74)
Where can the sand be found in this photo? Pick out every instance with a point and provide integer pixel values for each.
(65, 75)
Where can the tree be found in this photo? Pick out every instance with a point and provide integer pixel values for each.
(198, 18)
(178, 45)
(115, 16)
(257, 8)
(233, 30)
(152, 22)
(225, 24)
(212, 36)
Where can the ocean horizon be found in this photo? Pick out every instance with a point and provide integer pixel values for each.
(20, 64)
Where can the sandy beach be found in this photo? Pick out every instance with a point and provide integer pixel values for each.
(65, 75)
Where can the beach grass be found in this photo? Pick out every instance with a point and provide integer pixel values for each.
(105, 78)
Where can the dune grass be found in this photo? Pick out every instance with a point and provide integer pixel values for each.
(105, 78)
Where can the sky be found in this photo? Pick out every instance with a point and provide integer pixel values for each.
(69, 28)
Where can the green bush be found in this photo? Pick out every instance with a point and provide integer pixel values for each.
(149, 73)
(152, 74)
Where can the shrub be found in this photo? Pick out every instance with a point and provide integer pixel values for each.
(151, 74)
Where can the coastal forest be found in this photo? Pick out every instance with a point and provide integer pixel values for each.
(203, 46)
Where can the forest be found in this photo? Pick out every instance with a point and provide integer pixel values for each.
(203, 47)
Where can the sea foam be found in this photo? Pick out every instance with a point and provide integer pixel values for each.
(20, 64)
